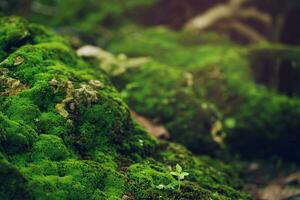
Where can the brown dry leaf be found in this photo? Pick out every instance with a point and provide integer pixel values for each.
(18, 60)
(282, 188)
(156, 130)
(11, 86)
(217, 133)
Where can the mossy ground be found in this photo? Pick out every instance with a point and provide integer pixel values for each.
(65, 132)
(205, 91)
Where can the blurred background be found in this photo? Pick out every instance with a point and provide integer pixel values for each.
(245, 21)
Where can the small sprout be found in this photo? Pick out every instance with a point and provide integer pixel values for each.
(161, 186)
(164, 187)
(179, 174)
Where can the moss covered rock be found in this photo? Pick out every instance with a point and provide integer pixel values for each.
(167, 95)
(65, 132)
(205, 92)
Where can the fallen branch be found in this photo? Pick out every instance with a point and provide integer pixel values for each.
(112, 64)
(229, 15)
(247, 31)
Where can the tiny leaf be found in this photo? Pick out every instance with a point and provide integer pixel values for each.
(174, 173)
(178, 168)
(185, 173)
(161, 186)
(180, 177)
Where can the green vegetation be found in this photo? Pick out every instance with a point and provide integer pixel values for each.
(163, 100)
(207, 93)
(179, 174)
(65, 132)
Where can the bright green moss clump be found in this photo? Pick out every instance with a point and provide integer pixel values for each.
(13, 33)
(65, 133)
(15, 137)
(207, 178)
(13, 183)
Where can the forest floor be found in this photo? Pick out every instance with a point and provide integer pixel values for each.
(217, 109)
(272, 180)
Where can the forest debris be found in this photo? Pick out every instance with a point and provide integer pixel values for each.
(217, 132)
(228, 16)
(246, 30)
(94, 52)
(10, 86)
(282, 188)
(114, 65)
(86, 94)
(128, 197)
(156, 130)
(189, 79)
(18, 60)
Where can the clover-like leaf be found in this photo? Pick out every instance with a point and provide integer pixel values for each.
(179, 174)
(161, 186)
(178, 168)
(185, 173)
(182, 175)
(174, 173)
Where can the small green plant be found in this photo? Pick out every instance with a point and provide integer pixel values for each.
(179, 174)
(165, 187)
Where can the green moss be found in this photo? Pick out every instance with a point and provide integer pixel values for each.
(51, 187)
(150, 174)
(106, 157)
(139, 145)
(147, 176)
(53, 124)
(13, 33)
(114, 185)
(99, 130)
(167, 95)
(207, 93)
(22, 109)
(50, 147)
(67, 134)
(170, 47)
(13, 183)
(262, 116)
(41, 34)
(208, 173)
(15, 136)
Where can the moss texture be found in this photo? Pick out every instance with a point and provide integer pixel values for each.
(205, 92)
(167, 95)
(65, 132)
